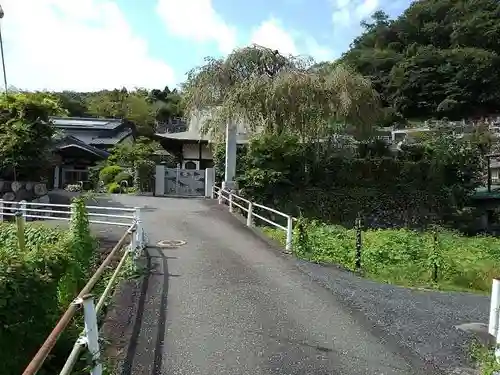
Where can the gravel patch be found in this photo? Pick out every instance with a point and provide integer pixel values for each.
(424, 321)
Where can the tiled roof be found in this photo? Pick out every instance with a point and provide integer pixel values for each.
(113, 140)
(86, 123)
(195, 136)
(70, 141)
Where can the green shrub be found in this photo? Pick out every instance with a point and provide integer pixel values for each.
(124, 176)
(29, 290)
(403, 256)
(109, 173)
(37, 285)
(113, 188)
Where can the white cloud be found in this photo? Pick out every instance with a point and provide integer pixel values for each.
(351, 12)
(76, 45)
(272, 34)
(318, 51)
(197, 20)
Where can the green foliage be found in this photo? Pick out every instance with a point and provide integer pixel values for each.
(485, 358)
(38, 284)
(139, 106)
(132, 106)
(109, 173)
(141, 157)
(26, 134)
(332, 183)
(266, 90)
(83, 245)
(128, 155)
(402, 256)
(439, 58)
(113, 188)
(123, 176)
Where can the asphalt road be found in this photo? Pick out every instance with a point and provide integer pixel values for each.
(228, 303)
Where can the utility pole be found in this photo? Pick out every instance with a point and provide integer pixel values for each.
(1, 49)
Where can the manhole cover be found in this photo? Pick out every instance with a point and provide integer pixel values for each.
(171, 243)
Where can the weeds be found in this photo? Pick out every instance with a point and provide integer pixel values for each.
(435, 259)
(484, 358)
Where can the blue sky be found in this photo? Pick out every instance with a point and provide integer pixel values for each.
(95, 44)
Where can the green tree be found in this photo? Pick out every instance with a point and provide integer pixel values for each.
(127, 155)
(73, 102)
(439, 58)
(26, 134)
(140, 157)
(133, 106)
(265, 90)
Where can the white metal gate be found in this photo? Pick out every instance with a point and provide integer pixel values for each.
(184, 182)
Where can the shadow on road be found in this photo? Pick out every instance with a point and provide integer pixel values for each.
(156, 266)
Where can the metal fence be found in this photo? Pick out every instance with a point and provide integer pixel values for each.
(133, 237)
(115, 216)
(249, 207)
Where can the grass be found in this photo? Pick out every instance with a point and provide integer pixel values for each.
(404, 257)
(484, 358)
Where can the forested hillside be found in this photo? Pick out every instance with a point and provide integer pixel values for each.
(440, 58)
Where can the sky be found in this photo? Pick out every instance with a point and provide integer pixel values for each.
(88, 45)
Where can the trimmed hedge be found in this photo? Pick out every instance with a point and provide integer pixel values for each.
(109, 173)
(113, 188)
(124, 176)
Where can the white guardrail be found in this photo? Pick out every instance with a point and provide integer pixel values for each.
(494, 324)
(116, 216)
(234, 200)
(131, 243)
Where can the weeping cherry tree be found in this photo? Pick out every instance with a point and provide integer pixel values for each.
(273, 93)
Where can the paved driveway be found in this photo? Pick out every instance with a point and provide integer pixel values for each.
(228, 303)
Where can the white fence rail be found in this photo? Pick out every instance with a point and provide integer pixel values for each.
(249, 207)
(105, 215)
(132, 242)
(89, 338)
(494, 324)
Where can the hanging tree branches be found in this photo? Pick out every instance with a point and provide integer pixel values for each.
(267, 91)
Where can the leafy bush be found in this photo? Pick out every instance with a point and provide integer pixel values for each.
(442, 258)
(332, 182)
(37, 284)
(124, 176)
(114, 188)
(109, 173)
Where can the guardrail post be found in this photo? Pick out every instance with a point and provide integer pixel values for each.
(494, 308)
(20, 230)
(220, 196)
(249, 214)
(230, 201)
(139, 229)
(92, 333)
(133, 243)
(1, 210)
(289, 233)
(22, 207)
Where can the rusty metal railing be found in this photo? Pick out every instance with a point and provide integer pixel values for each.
(89, 339)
